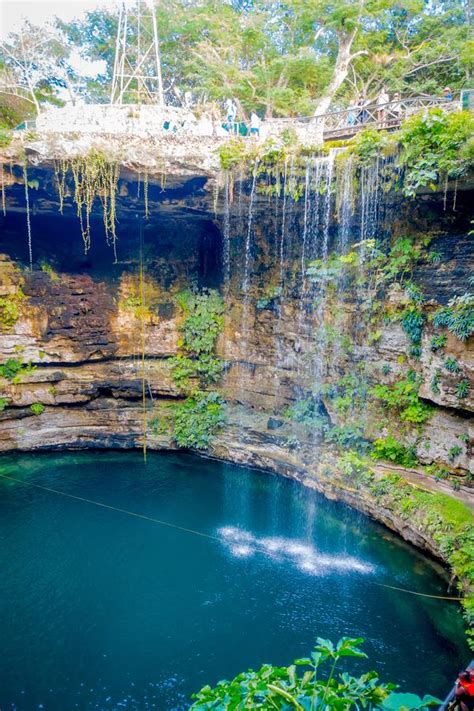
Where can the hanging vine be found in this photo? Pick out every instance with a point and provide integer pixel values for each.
(94, 177)
(60, 173)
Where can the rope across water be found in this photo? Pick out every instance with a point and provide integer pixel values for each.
(188, 530)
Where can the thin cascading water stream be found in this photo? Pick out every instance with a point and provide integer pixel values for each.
(319, 358)
(244, 327)
(226, 234)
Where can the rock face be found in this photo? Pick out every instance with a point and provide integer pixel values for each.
(93, 327)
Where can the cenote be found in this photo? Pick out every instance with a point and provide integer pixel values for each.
(105, 610)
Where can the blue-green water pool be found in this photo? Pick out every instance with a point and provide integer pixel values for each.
(103, 610)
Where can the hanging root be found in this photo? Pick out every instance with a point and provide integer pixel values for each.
(94, 177)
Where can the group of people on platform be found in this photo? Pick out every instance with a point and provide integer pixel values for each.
(386, 110)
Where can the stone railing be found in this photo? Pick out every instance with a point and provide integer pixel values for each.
(153, 121)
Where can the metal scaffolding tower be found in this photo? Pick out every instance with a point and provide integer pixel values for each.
(137, 67)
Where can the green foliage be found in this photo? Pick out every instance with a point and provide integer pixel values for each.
(452, 365)
(402, 397)
(389, 448)
(413, 321)
(462, 388)
(10, 309)
(197, 419)
(368, 145)
(203, 320)
(37, 408)
(446, 520)
(3, 403)
(206, 367)
(457, 316)
(434, 148)
(14, 368)
(438, 342)
(435, 380)
(307, 412)
(5, 138)
(349, 435)
(233, 153)
(408, 702)
(454, 452)
(270, 294)
(300, 686)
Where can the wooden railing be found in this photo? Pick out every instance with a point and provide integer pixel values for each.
(345, 123)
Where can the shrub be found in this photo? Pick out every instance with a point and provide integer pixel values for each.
(303, 685)
(10, 309)
(438, 342)
(402, 397)
(433, 148)
(413, 321)
(37, 408)
(197, 419)
(3, 403)
(452, 365)
(203, 320)
(14, 368)
(454, 452)
(457, 316)
(462, 389)
(389, 448)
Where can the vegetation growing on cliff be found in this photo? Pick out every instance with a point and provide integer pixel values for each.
(10, 306)
(447, 521)
(14, 369)
(194, 421)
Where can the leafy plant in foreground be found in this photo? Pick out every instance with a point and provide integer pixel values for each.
(303, 686)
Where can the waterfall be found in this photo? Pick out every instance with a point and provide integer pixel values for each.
(226, 233)
(345, 189)
(283, 221)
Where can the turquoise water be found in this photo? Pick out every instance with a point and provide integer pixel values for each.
(102, 610)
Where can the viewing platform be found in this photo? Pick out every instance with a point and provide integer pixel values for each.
(152, 121)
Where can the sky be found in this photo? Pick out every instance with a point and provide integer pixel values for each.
(41, 11)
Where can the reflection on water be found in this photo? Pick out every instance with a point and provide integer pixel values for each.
(105, 611)
(303, 556)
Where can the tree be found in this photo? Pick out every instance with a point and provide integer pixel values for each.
(36, 64)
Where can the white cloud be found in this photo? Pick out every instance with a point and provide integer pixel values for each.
(40, 12)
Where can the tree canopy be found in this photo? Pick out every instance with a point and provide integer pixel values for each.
(279, 57)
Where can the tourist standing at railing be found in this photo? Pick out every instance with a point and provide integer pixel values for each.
(254, 124)
(362, 113)
(231, 111)
(395, 110)
(382, 99)
(447, 94)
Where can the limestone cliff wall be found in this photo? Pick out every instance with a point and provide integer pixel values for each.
(78, 322)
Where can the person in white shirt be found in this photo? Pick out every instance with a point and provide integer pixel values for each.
(382, 99)
(254, 124)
